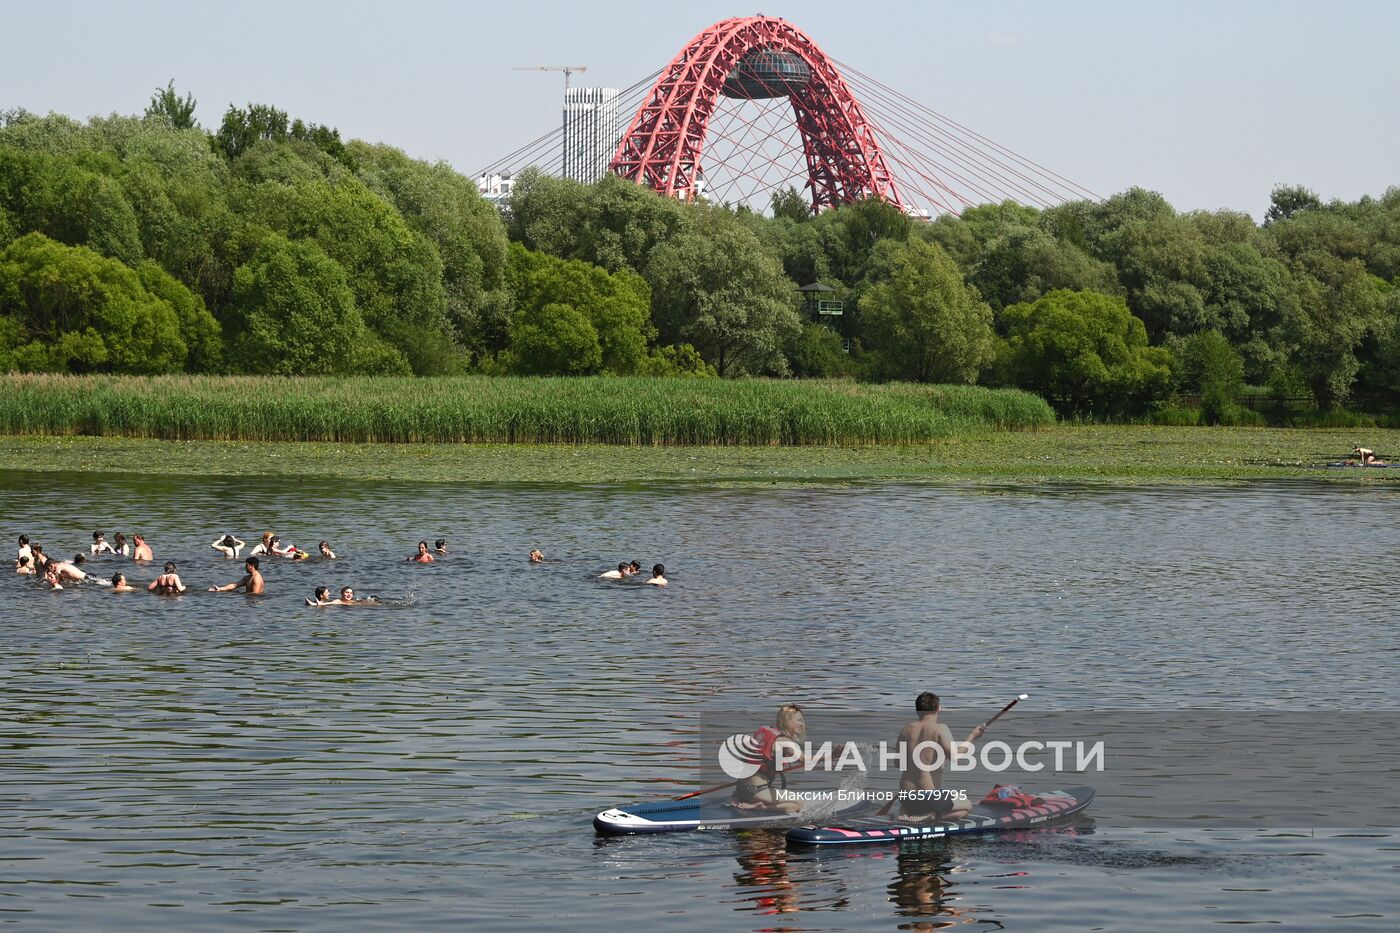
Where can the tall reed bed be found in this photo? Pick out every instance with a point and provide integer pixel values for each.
(480, 409)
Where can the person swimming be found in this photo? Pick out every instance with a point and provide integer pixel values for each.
(264, 546)
(440, 545)
(322, 597)
(658, 576)
(100, 545)
(22, 565)
(168, 583)
(120, 546)
(634, 568)
(142, 550)
(24, 549)
(422, 557)
(229, 546)
(619, 574)
(536, 556)
(71, 571)
(51, 577)
(251, 584)
(119, 584)
(326, 551)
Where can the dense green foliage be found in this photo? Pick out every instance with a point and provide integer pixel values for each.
(270, 245)
(604, 410)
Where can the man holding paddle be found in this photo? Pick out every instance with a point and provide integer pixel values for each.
(921, 798)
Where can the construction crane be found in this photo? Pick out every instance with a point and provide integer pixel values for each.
(567, 69)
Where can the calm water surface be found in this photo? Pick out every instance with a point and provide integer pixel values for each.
(225, 761)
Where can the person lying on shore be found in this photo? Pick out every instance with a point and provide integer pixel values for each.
(119, 584)
(326, 552)
(251, 584)
(440, 546)
(22, 566)
(422, 557)
(658, 576)
(619, 574)
(536, 556)
(120, 547)
(229, 546)
(100, 545)
(142, 551)
(168, 583)
(1368, 457)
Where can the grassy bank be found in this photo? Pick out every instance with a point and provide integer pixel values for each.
(1097, 454)
(485, 410)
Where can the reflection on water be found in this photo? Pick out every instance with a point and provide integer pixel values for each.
(217, 760)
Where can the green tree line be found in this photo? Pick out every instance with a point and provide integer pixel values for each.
(146, 244)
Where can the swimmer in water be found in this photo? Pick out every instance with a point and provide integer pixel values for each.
(536, 556)
(619, 574)
(51, 578)
(229, 546)
(658, 576)
(264, 546)
(100, 545)
(70, 571)
(347, 598)
(322, 597)
(24, 549)
(440, 546)
(422, 557)
(119, 584)
(168, 583)
(326, 551)
(634, 568)
(22, 565)
(251, 584)
(143, 550)
(121, 547)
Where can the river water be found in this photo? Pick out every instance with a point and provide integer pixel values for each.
(221, 761)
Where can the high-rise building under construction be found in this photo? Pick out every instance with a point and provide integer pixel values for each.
(590, 131)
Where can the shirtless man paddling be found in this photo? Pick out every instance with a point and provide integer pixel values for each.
(919, 800)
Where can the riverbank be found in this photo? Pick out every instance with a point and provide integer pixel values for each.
(1125, 454)
(508, 410)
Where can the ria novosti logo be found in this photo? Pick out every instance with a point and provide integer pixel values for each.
(741, 756)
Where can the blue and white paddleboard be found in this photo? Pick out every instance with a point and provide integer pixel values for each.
(679, 816)
(1057, 804)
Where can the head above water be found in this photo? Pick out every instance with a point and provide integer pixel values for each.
(927, 703)
(658, 570)
(23, 561)
(622, 567)
(440, 544)
(78, 558)
(323, 593)
(120, 539)
(229, 541)
(139, 538)
(422, 546)
(98, 535)
(23, 540)
(119, 579)
(347, 592)
(251, 563)
(170, 566)
(635, 566)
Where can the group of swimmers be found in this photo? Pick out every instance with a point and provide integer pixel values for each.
(626, 571)
(31, 560)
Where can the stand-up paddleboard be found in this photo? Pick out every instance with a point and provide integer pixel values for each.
(679, 816)
(1057, 804)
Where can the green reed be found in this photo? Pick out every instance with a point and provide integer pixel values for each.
(507, 410)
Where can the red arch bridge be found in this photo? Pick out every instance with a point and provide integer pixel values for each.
(752, 106)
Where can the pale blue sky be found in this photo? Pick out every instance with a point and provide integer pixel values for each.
(1211, 103)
